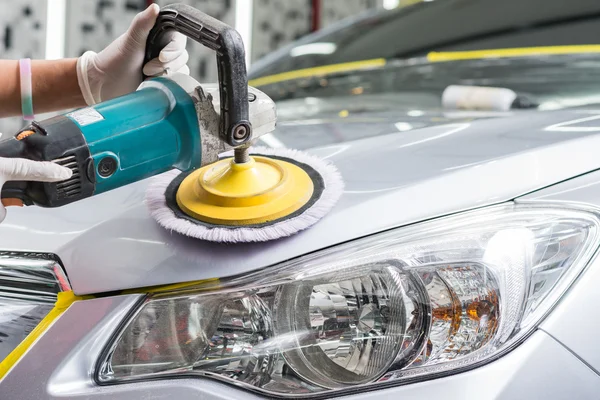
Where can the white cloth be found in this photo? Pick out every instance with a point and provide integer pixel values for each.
(117, 70)
(19, 169)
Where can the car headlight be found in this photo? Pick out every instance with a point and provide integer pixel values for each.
(29, 286)
(435, 297)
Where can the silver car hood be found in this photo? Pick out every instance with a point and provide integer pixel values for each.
(109, 242)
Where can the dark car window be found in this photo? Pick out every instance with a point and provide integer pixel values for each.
(443, 25)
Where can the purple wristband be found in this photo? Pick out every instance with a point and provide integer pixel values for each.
(26, 89)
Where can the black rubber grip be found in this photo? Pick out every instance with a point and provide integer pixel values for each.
(59, 140)
(231, 64)
(13, 148)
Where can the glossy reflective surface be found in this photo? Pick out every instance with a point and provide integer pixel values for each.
(109, 242)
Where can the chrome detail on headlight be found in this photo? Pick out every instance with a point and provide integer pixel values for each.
(435, 297)
(29, 284)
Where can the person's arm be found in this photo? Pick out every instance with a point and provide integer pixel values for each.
(87, 80)
(92, 78)
(54, 85)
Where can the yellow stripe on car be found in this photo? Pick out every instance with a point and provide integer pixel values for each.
(318, 71)
(64, 300)
(512, 52)
(432, 57)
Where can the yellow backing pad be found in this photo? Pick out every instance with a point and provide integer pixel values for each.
(261, 190)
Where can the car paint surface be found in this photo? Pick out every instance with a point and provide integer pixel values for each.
(555, 362)
(109, 242)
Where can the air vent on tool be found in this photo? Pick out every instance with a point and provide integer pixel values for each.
(72, 186)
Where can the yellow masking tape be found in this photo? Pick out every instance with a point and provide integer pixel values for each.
(514, 52)
(65, 299)
(318, 71)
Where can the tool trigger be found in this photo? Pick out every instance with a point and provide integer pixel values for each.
(12, 202)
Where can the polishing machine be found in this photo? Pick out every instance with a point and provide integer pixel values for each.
(169, 122)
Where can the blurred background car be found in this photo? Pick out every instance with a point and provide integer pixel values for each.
(394, 65)
(415, 29)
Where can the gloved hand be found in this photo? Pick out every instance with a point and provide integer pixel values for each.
(117, 70)
(19, 169)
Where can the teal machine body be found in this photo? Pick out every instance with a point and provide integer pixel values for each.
(111, 144)
(141, 134)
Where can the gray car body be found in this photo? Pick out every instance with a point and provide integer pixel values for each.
(109, 243)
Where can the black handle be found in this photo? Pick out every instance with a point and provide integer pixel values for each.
(58, 140)
(13, 148)
(227, 43)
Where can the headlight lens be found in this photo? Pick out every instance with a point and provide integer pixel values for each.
(430, 298)
(29, 285)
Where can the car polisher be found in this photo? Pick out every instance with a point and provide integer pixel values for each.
(171, 123)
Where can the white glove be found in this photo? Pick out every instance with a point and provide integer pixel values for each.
(19, 169)
(117, 70)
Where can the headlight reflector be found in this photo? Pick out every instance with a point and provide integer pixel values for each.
(347, 330)
(434, 297)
